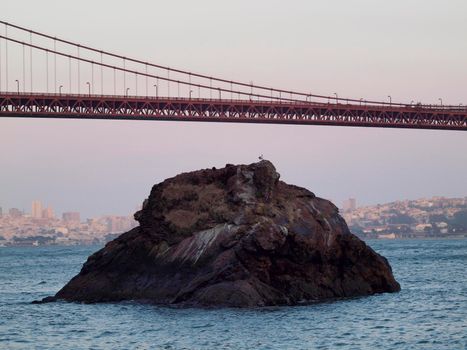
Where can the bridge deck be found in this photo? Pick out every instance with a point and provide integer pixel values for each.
(230, 110)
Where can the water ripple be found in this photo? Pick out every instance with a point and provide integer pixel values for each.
(429, 313)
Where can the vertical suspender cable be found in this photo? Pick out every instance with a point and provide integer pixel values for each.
(115, 83)
(30, 57)
(92, 78)
(69, 74)
(136, 83)
(79, 74)
(55, 66)
(24, 69)
(1, 65)
(6, 56)
(189, 85)
(147, 94)
(124, 76)
(168, 83)
(47, 70)
(102, 76)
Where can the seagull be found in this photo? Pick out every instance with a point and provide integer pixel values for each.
(261, 157)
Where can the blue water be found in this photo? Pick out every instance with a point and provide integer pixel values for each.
(429, 313)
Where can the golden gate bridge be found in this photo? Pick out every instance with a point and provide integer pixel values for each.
(44, 76)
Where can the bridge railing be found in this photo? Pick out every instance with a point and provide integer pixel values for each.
(228, 101)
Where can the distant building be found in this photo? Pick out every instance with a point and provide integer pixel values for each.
(48, 213)
(350, 205)
(71, 216)
(15, 213)
(36, 211)
(119, 223)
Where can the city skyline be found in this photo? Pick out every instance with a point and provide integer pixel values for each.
(347, 205)
(40, 211)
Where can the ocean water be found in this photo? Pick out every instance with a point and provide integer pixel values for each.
(429, 313)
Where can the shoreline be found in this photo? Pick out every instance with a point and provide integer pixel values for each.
(459, 237)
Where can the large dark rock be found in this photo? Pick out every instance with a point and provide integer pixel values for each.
(235, 236)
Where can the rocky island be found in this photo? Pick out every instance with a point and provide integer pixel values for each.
(236, 236)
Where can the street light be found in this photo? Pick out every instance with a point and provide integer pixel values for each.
(157, 88)
(60, 89)
(441, 100)
(89, 87)
(17, 84)
(337, 98)
(126, 92)
(191, 91)
(361, 100)
(390, 100)
(220, 97)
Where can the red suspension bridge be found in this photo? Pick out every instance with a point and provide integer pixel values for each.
(77, 81)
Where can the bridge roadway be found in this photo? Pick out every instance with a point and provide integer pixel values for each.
(46, 105)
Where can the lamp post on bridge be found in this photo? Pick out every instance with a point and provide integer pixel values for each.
(390, 100)
(126, 91)
(157, 88)
(17, 84)
(337, 98)
(89, 87)
(191, 91)
(361, 100)
(60, 89)
(441, 100)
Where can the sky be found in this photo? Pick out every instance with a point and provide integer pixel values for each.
(409, 49)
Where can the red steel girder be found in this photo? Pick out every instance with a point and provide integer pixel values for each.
(228, 110)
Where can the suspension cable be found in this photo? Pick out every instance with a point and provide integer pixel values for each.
(168, 69)
(260, 87)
